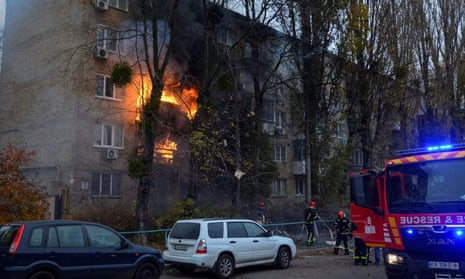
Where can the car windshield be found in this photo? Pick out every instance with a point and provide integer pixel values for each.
(7, 233)
(430, 186)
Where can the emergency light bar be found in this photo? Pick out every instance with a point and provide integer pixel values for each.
(430, 149)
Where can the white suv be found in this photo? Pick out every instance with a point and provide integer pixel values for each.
(222, 245)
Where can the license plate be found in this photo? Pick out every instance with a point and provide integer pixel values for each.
(443, 265)
(180, 247)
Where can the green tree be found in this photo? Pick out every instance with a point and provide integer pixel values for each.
(20, 198)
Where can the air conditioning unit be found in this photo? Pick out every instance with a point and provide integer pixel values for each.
(101, 53)
(112, 154)
(102, 4)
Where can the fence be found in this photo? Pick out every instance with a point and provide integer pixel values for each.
(295, 230)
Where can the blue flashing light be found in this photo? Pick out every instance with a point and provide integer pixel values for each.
(440, 147)
(409, 231)
(459, 233)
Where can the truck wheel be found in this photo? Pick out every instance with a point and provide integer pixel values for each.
(224, 266)
(283, 258)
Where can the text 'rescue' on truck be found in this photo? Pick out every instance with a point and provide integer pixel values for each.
(415, 208)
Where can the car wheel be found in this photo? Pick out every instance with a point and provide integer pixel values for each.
(42, 275)
(225, 266)
(147, 271)
(283, 258)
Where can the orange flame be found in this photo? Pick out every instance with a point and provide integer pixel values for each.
(164, 150)
(185, 99)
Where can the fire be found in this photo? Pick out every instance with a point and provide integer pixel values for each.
(185, 99)
(164, 150)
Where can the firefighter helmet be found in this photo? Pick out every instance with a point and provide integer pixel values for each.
(312, 204)
(341, 214)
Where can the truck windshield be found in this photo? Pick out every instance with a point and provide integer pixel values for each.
(429, 186)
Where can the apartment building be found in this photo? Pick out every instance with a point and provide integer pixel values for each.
(58, 99)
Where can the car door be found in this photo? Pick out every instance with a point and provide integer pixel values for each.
(66, 247)
(112, 257)
(240, 242)
(263, 243)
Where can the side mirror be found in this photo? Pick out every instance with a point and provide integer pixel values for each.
(268, 234)
(122, 244)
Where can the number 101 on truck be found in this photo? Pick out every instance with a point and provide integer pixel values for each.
(415, 209)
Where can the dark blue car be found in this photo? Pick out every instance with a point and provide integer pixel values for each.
(60, 249)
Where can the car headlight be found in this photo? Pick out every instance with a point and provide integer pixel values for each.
(394, 259)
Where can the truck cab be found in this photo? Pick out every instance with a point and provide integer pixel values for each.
(415, 208)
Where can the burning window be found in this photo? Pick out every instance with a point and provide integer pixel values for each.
(164, 151)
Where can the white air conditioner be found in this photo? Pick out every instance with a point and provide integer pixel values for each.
(102, 4)
(112, 154)
(101, 53)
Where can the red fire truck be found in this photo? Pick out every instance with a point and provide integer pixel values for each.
(415, 209)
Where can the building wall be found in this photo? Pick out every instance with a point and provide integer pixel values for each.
(48, 103)
(47, 97)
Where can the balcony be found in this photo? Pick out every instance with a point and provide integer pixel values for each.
(298, 168)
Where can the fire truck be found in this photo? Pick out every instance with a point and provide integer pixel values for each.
(415, 210)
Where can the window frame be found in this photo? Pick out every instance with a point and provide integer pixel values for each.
(279, 188)
(116, 93)
(279, 153)
(300, 186)
(114, 187)
(117, 5)
(106, 39)
(101, 136)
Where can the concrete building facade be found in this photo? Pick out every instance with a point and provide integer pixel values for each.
(57, 98)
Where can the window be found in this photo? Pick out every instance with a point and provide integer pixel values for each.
(215, 230)
(106, 89)
(108, 38)
(299, 186)
(225, 37)
(299, 150)
(106, 135)
(340, 135)
(268, 111)
(101, 237)
(119, 4)
(36, 237)
(69, 236)
(279, 188)
(106, 184)
(253, 230)
(185, 231)
(236, 229)
(279, 121)
(279, 153)
(357, 157)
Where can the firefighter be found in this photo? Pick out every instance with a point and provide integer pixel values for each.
(310, 216)
(343, 227)
(361, 251)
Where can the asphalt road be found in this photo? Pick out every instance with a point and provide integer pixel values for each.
(309, 263)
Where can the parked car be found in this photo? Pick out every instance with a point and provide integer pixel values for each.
(59, 249)
(222, 245)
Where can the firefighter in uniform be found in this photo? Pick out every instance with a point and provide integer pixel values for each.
(361, 251)
(310, 216)
(343, 227)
